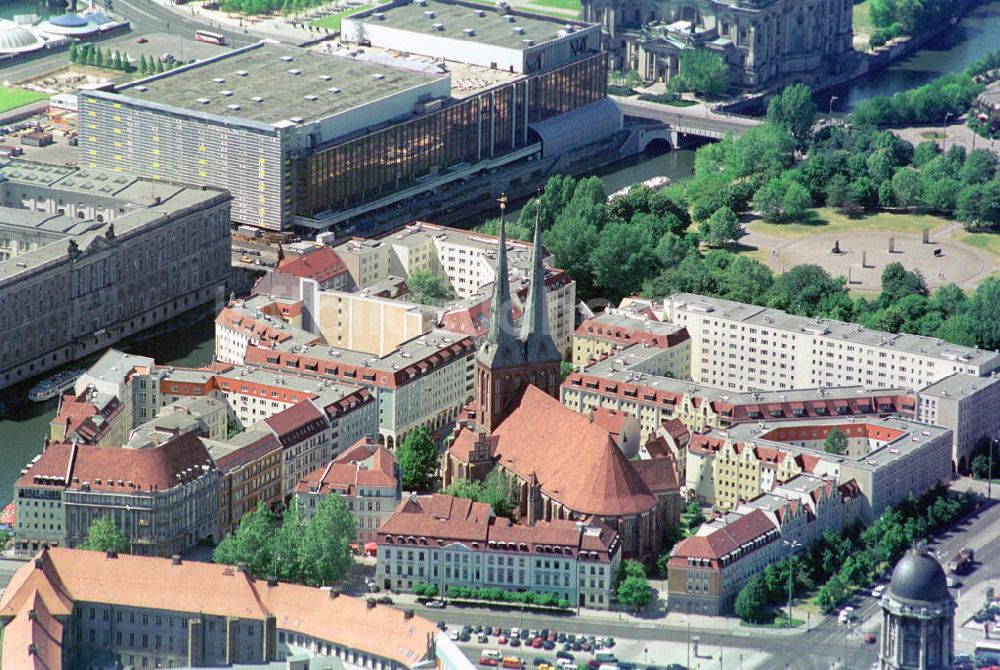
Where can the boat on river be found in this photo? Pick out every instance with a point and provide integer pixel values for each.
(54, 385)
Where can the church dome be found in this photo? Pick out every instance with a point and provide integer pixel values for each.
(919, 578)
(16, 38)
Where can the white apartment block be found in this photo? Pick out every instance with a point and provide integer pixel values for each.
(969, 405)
(745, 347)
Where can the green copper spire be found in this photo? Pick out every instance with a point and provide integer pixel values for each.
(501, 347)
(535, 333)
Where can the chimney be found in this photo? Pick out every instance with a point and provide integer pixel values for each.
(407, 614)
(32, 650)
(33, 615)
(175, 559)
(334, 594)
(272, 581)
(241, 567)
(371, 603)
(111, 553)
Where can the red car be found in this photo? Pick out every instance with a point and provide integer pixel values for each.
(141, 40)
(537, 643)
(870, 638)
(501, 640)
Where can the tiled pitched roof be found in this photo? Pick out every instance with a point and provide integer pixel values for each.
(725, 539)
(249, 453)
(154, 468)
(365, 463)
(321, 265)
(660, 474)
(63, 576)
(439, 516)
(33, 639)
(296, 423)
(576, 461)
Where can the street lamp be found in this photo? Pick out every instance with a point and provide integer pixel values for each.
(792, 546)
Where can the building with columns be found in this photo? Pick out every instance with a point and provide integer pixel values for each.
(918, 616)
(764, 42)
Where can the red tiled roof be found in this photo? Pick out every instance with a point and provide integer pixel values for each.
(321, 265)
(438, 516)
(660, 474)
(365, 463)
(303, 417)
(576, 461)
(725, 539)
(676, 429)
(249, 453)
(609, 419)
(152, 468)
(33, 639)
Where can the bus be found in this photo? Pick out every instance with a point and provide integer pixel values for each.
(210, 37)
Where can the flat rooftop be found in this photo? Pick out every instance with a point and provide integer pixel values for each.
(489, 26)
(958, 385)
(269, 83)
(838, 330)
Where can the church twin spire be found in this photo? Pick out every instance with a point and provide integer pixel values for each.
(502, 348)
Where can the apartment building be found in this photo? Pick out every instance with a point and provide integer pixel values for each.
(249, 474)
(367, 475)
(89, 257)
(744, 347)
(969, 406)
(78, 609)
(163, 498)
(887, 458)
(447, 541)
(614, 329)
(372, 320)
(629, 381)
(468, 260)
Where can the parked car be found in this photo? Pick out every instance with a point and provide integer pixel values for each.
(482, 638)
(537, 661)
(437, 604)
(870, 638)
(141, 40)
(442, 625)
(878, 591)
(565, 654)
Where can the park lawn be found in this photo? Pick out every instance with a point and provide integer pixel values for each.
(12, 98)
(861, 19)
(332, 22)
(986, 241)
(831, 221)
(565, 7)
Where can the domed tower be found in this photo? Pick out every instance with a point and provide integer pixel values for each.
(918, 616)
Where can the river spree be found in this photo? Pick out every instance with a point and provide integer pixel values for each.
(951, 51)
(23, 424)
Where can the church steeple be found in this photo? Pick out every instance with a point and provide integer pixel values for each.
(535, 333)
(501, 348)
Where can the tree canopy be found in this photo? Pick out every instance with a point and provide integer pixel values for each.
(104, 535)
(315, 553)
(429, 288)
(751, 602)
(794, 110)
(835, 442)
(702, 72)
(418, 457)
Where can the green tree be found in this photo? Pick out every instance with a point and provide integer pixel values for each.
(103, 535)
(116, 60)
(797, 202)
(695, 517)
(702, 72)
(806, 290)
(417, 456)
(635, 592)
(906, 186)
(143, 66)
(325, 549)
(623, 255)
(768, 201)
(980, 167)
(570, 240)
(286, 546)
(428, 288)
(74, 53)
(499, 492)
(745, 280)
(464, 488)
(831, 594)
(795, 110)
(251, 543)
(751, 602)
(898, 282)
(835, 442)
(723, 227)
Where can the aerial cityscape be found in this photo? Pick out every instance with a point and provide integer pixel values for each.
(523, 334)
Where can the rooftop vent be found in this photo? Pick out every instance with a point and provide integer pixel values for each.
(439, 27)
(241, 73)
(287, 59)
(518, 30)
(378, 76)
(295, 70)
(219, 80)
(310, 97)
(379, 16)
(528, 42)
(226, 93)
(257, 98)
(509, 18)
(333, 89)
(234, 108)
(429, 13)
(203, 101)
(325, 77)
(421, 3)
(140, 88)
(480, 13)
(570, 28)
(469, 32)
(296, 119)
